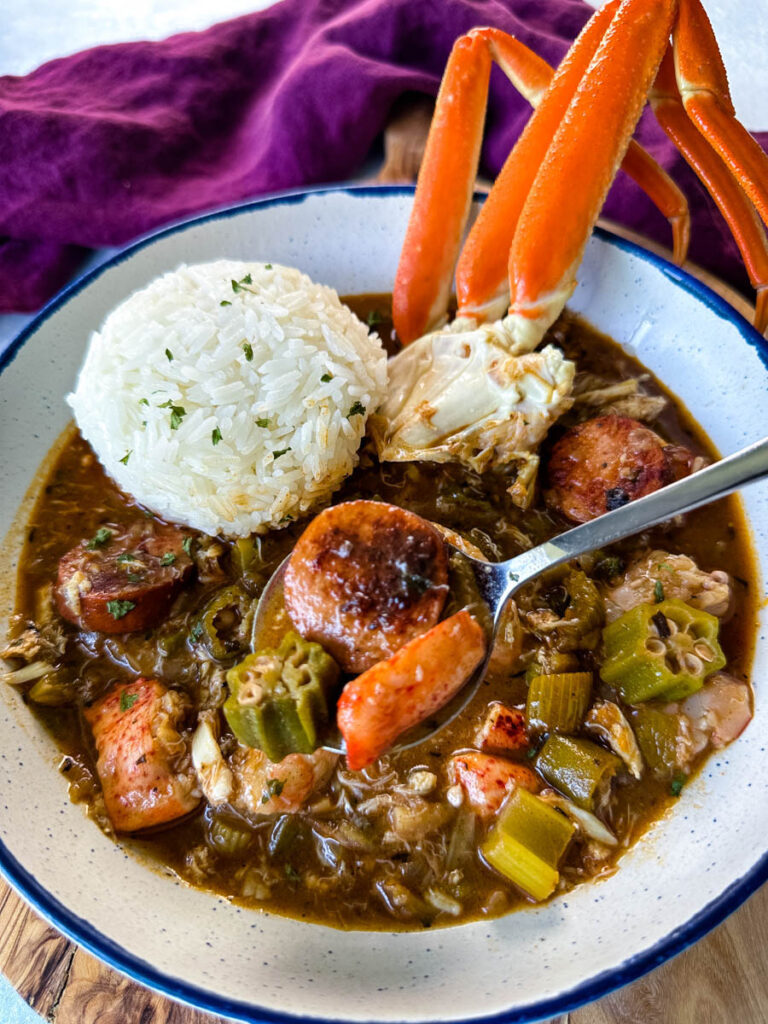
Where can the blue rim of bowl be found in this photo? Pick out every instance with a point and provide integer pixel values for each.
(78, 929)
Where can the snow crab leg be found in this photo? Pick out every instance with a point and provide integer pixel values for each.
(559, 173)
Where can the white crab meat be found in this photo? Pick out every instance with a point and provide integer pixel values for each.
(606, 721)
(475, 397)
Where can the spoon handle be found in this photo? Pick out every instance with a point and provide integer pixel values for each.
(729, 474)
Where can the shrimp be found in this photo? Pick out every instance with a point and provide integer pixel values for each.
(252, 784)
(719, 712)
(487, 781)
(143, 760)
(678, 576)
(396, 694)
(503, 730)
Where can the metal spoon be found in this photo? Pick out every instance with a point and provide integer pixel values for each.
(497, 582)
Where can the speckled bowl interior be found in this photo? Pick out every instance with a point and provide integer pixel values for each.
(692, 869)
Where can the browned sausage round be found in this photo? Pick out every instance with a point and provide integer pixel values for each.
(364, 579)
(123, 580)
(604, 463)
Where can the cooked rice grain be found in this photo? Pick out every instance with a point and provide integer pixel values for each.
(205, 400)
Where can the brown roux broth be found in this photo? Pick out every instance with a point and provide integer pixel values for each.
(78, 497)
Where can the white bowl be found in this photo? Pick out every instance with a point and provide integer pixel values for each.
(685, 876)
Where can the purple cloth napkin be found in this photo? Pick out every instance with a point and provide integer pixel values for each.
(100, 147)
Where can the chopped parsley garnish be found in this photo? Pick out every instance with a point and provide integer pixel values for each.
(134, 577)
(187, 545)
(143, 401)
(215, 436)
(658, 591)
(263, 422)
(248, 349)
(127, 700)
(374, 317)
(119, 609)
(274, 787)
(168, 558)
(677, 784)
(99, 539)
(169, 355)
(237, 286)
(267, 266)
(358, 409)
(197, 631)
(178, 412)
(326, 377)
(225, 302)
(279, 452)
(127, 556)
(127, 456)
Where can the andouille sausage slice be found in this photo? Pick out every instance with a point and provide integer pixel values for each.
(603, 463)
(143, 761)
(124, 580)
(364, 579)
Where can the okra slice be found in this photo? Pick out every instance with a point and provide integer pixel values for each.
(663, 650)
(279, 697)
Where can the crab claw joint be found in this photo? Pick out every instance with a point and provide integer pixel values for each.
(474, 397)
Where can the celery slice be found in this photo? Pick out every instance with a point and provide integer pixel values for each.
(557, 702)
(578, 768)
(528, 842)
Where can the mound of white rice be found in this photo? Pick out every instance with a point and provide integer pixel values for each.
(229, 396)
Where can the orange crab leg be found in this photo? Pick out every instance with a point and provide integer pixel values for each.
(732, 202)
(482, 275)
(443, 192)
(703, 85)
(448, 171)
(667, 196)
(580, 164)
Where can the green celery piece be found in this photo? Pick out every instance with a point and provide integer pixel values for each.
(527, 843)
(557, 702)
(520, 865)
(576, 767)
(658, 734)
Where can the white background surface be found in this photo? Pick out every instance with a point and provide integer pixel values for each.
(32, 33)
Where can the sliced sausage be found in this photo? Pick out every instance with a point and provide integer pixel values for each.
(603, 463)
(364, 579)
(143, 760)
(123, 580)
